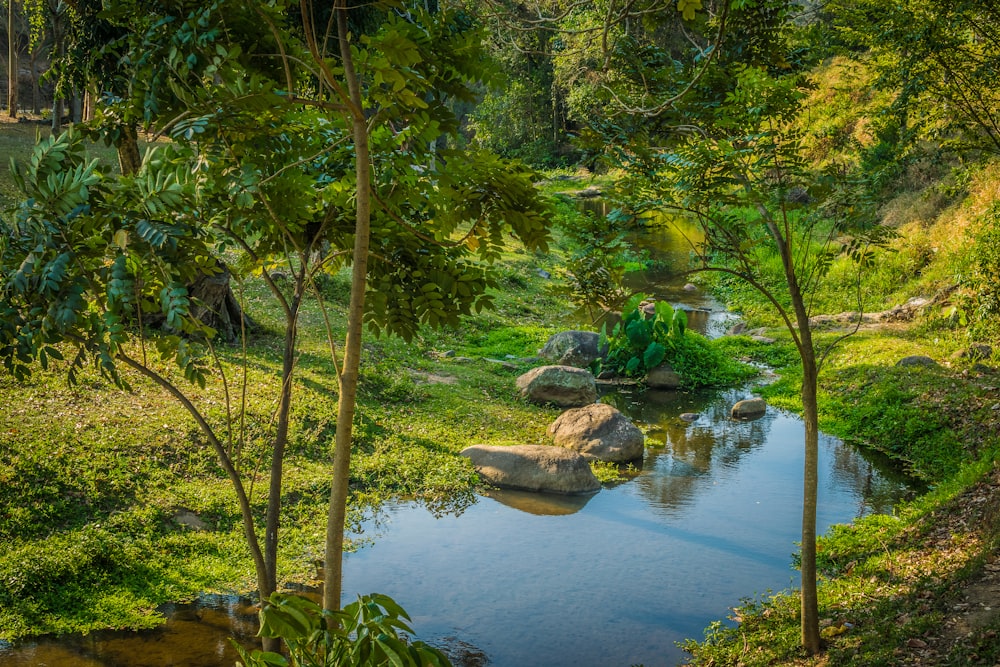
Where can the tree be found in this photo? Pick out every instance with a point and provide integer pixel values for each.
(941, 58)
(290, 155)
(12, 72)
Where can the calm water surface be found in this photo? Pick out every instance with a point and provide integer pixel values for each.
(619, 577)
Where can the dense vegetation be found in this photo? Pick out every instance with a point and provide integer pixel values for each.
(866, 132)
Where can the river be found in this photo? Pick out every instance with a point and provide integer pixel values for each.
(613, 579)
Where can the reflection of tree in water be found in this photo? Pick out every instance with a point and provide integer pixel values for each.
(689, 451)
(683, 458)
(877, 486)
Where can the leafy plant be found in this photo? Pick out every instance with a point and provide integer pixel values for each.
(365, 633)
(638, 343)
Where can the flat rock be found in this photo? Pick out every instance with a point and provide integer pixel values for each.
(598, 431)
(689, 416)
(533, 468)
(748, 409)
(564, 386)
(917, 360)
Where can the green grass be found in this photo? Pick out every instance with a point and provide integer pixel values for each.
(92, 478)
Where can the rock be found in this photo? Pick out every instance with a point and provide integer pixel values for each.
(189, 519)
(689, 416)
(573, 348)
(502, 363)
(749, 409)
(690, 287)
(663, 377)
(598, 431)
(737, 329)
(917, 360)
(762, 339)
(564, 386)
(543, 274)
(589, 192)
(648, 308)
(533, 468)
(975, 352)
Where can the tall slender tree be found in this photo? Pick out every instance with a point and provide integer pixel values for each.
(12, 71)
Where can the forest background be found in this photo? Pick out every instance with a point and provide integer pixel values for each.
(895, 103)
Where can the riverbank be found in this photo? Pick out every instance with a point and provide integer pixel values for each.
(918, 587)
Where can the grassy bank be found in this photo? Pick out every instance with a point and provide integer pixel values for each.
(916, 587)
(113, 504)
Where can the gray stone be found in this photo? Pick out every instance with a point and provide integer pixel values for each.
(737, 329)
(663, 377)
(748, 409)
(690, 287)
(533, 468)
(917, 360)
(565, 386)
(502, 363)
(573, 348)
(189, 519)
(598, 431)
(689, 416)
(975, 352)
(762, 339)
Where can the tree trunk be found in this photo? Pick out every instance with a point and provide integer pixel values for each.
(810, 483)
(36, 93)
(129, 158)
(217, 306)
(808, 596)
(11, 62)
(337, 514)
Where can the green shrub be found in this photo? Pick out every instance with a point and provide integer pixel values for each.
(637, 344)
(366, 633)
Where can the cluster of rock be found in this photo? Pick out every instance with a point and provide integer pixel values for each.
(977, 353)
(585, 431)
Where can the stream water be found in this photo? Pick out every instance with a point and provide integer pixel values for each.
(613, 579)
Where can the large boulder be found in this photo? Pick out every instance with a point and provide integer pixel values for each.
(663, 377)
(748, 409)
(598, 431)
(565, 386)
(533, 468)
(572, 348)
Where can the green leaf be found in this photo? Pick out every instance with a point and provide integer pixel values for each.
(653, 355)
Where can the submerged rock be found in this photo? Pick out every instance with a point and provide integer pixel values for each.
(565, 386)
(533, 468)
(751, 408)
(598, 431)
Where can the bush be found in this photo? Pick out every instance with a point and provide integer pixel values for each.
(363, 634)
(637, 344)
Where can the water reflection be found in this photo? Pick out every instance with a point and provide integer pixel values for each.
(195, 635)
(542, 504)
